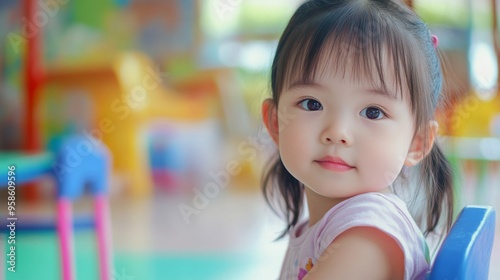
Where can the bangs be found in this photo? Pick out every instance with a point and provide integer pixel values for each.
(358, 37)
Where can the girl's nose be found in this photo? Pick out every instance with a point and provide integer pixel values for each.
(336, 134)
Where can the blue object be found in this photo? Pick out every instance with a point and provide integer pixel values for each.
(166, 150)
(28, 167)
(27, 224)
(466, 250)
(78, 161)
(81, 161)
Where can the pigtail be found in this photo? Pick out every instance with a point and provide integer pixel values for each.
(277, 181)
(438, 181)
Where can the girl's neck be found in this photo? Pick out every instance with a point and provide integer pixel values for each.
(318, 205)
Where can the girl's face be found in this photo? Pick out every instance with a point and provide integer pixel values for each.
(341, 138)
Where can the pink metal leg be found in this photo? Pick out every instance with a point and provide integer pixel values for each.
(103, 229)
(65, 231)
(92, 170)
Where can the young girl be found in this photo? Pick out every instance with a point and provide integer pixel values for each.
(355, 84)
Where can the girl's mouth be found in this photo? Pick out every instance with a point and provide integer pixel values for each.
(334, 164)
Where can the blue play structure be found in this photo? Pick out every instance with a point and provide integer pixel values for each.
(466, 251)
(79, 162)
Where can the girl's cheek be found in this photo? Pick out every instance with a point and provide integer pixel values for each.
(385, 164)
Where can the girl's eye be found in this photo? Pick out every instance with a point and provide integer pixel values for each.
(372, 113)
(310, 105)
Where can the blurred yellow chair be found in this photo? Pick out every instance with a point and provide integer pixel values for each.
(113, 101)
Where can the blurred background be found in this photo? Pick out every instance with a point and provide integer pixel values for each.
(173, 88)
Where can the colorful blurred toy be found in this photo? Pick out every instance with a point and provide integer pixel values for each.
(115, 101)
(78, 163)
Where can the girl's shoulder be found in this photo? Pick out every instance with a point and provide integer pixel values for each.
(385, 212)
(376, 200)
(367, 204)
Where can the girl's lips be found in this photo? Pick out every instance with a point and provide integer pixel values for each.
(334, 164)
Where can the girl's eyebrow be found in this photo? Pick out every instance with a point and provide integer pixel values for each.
(375, 90)
(381, 92)
(301, 84)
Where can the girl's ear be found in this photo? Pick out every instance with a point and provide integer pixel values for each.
(270, 117)
(420, 147)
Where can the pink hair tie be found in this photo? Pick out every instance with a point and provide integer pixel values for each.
(435, 40)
